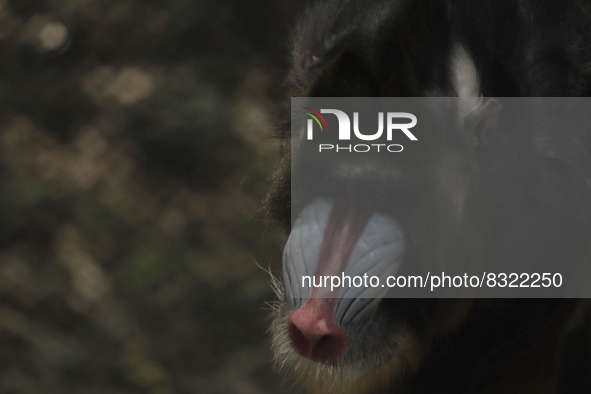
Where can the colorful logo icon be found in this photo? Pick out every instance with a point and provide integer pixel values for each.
(315, 118)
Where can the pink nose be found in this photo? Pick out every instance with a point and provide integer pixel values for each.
(315, 334)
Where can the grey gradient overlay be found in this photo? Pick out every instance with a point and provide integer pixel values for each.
(453, 198)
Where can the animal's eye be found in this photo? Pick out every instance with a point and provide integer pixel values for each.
(382, 196)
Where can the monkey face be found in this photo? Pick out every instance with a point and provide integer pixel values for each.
(467, 195)
(369, 215)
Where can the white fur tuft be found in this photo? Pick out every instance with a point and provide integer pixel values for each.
(466, 80)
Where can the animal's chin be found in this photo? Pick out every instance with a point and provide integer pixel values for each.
(346, 375)
(318, 377)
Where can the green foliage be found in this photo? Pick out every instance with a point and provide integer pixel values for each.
(132, 165)
(148, 264)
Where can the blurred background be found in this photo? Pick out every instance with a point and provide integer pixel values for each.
(135, 151)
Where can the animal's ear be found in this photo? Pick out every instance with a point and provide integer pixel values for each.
(482, 121)
(307, 60)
